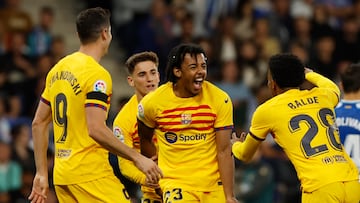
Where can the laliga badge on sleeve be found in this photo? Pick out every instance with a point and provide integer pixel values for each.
(118, 133)
(100, 86)
(141, 110)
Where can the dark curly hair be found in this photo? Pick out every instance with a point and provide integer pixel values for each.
(286, 70)
(176, 58)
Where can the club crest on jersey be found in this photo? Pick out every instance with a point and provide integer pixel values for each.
(118, 134)
(100, 86)
(185, 118)
(141, 110)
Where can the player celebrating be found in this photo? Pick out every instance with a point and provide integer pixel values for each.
(192, 120)
(302, 122)
(143, 77)
(76, 98)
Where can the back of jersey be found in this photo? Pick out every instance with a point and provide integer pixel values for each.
(76, 82)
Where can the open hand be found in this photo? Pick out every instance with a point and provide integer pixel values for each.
(235, 138)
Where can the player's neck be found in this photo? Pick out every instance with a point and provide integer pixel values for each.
(282, 90)
(352, 96)
(139, 96)
(91, 50)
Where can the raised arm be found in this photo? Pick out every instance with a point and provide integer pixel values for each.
(321, 81)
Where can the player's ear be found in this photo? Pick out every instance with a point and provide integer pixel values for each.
(104, 34)
(177, 72)
(130, 81)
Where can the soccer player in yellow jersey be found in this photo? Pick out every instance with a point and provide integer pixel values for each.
(302, 122)
(76, 99)
(143, 76)
(192, 120)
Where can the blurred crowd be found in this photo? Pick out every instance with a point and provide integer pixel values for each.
(28, 50)
(238, 36)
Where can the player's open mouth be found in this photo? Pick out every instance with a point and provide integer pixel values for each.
(198, 82)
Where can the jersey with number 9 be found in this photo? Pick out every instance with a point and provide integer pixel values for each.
(73, 84)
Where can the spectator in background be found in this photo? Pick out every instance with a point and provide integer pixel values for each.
(43, 66)
(225, 41)
(244, 23)
(14, 19)
(20, 195)
(267, 44)
(213, 64)
(57, 50)
(253, 66)
(21, 149)
(241, 96)
(300, 50)
(254, 181)
(40, 37)
(10, 170)
(348, 41)
(15, 112)
(323, 59)
(2, 37)
(321, 23)
(281, 22)
(302, 33)
(337, 10)
(5, 127)
(21, 72)
(154, 33)
(186, 34)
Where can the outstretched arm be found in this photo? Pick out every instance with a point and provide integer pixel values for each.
(103, 135)
(245, 148)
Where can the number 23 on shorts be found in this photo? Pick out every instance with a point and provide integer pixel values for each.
(174, 194)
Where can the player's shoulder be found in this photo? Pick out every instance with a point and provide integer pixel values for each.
(212, 89)
(267, 106)
(163, 91)
(129, 107)
(348, 104)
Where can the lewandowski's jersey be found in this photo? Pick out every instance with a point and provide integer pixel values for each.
(74, 83)
(348, 121)
(126, 129)
(302, 122)
(185, 130)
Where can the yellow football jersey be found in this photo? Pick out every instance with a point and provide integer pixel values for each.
(302, 122)
(185, 130)
(125, 128)
(75, 82)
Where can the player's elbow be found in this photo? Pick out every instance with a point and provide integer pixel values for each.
(94, 131)
(239, 152)
(244, 157)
